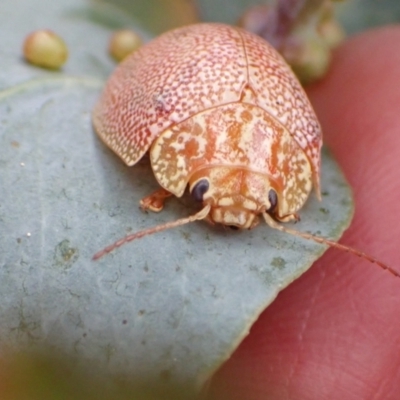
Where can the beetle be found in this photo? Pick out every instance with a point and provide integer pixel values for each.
(221, 112)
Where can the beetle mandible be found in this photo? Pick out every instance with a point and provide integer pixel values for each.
(220, 111)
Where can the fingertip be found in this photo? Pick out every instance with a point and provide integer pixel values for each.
(357, 105)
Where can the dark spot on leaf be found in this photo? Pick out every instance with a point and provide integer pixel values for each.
(346, 202)
(186, 235)
(278, 262)
(64, 254)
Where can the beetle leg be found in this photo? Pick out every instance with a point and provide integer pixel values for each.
(288, 218)
(155, 201)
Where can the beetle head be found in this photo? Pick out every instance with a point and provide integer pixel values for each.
(237, 196)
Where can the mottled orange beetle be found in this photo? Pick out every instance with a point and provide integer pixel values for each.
(221, 111)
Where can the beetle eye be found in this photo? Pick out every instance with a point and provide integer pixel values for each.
(199, 189)
(273, 199)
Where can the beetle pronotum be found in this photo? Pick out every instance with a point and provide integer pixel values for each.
(219, 111)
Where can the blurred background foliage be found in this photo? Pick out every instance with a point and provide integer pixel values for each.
(308, 43)
(160, 15)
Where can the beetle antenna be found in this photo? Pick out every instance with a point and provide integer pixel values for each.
(200, 215)
(273, 224)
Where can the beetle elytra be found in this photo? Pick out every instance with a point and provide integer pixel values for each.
(221, 112)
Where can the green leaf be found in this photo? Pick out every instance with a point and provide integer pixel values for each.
(160, 15)
(171, 307)
(359, 15)
(355, 15)
(227, 11)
